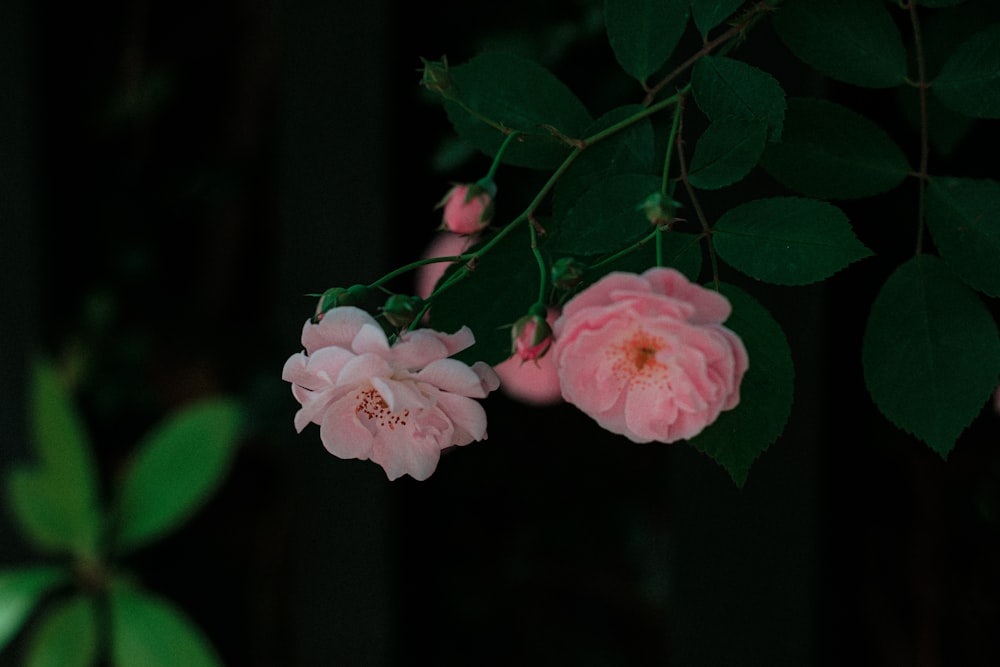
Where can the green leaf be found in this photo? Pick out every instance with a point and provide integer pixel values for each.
(969, 82)
(855, 41)
(742, 434)
(787, 240)
(939, 3)
(726, 152)
(931, 352)
(643, 33)
(175, 470)
(963, 215)
(518, 94)
(55, 500)
(709, 13)
(725, 88)
(680, 250)
(20, 592)
(607, 216)
(503, 286)
(629, 151)
(152, 632)
(831, 152)
(67, 635)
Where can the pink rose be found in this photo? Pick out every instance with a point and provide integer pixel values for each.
(647, 356)
(467, 208)
(398, 405)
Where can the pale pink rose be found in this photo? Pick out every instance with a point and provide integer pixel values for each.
(467, 208)
(398, 405)
(529, 375)
(647, 357)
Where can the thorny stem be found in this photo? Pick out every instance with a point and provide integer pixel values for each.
(542, 273)
(921, 85)
(751, 17)
(682, 162)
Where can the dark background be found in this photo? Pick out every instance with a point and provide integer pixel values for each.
(174, 177)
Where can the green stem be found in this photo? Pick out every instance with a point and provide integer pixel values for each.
(503, 147)
(542, 272)
(413, 265)
(702, 219)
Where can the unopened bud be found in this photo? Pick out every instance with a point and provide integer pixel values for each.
(339, 296)
(567, 273)
(468, 207)
(531, 336)
(437, 77)
(400, 309)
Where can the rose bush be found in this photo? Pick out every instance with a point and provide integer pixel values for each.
(647, 357)
(397, 404)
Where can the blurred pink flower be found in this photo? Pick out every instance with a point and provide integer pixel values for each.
(398, 405)
(467, 208)
(444, 244)
(647, 357)
(528, 377)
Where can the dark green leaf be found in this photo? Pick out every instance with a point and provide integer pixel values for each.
(832, 152)
(67, 635)
(503, 286)
(20, 592)
(709, 13)
(149, 631)
(963, 215)
(680, 251)
(850, 40)
(643, 33)
(55, 500)
(742, 434)
(931, 352)
(175, 470)
(726, 152)
(607, 217)
(969, 82)
(787, 240)
(629, 151)
(518, 94)
(725, 88)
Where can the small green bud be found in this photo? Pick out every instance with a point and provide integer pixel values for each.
(400, 309)
(567, 273)
(336, 297)
(437, 78)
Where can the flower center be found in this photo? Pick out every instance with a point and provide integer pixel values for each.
(634, 357)
(374, 407)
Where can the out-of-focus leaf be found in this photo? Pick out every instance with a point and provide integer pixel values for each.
(725, 88)
(787, 240)
(20, 592)
(831, 152)
(969, 82)
(726, 152)
(176, 469)
(152, 632)
(855, 41)
(931, 352)
(742, 434)
(55, 499)
(963, 215)
(643, 33)
(519, 94)
(67, 635)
